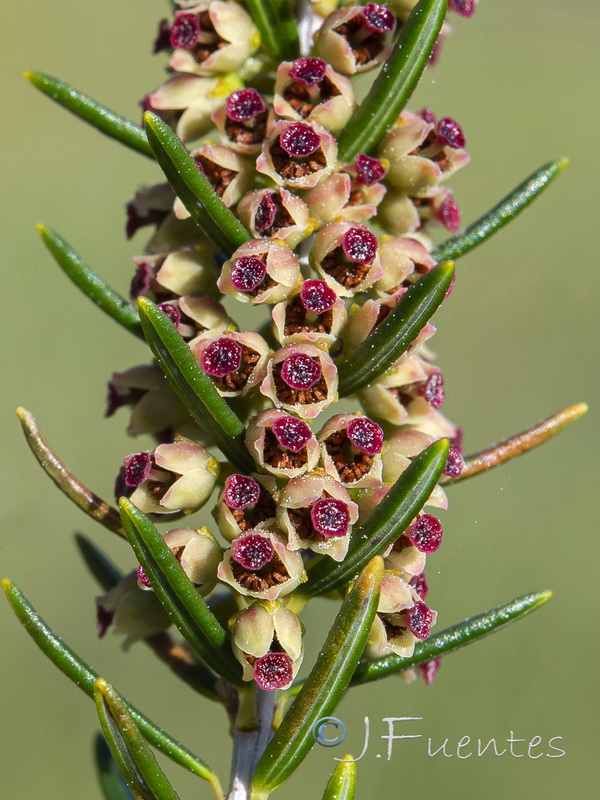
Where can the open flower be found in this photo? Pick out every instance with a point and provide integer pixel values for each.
(244, 121)
(199, 555)
(258, 564)
(351, 446)
(346, 256)
(245, 502)
(298, 154)
(316, 315)
(356, 38)
(260, 271)
(228, 173)
(235, 361)
(281, 444)
(276, 214)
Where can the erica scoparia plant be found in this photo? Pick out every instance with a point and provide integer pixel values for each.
(315, 211)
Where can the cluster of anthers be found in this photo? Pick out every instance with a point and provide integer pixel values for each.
(335, 246)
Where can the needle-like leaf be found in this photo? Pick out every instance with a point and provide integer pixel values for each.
(518, 444)
(102, 118)
(177, 594)
(135, 760)
(111, 781)
(396, 82)
(87, 501)
(278, 28)
(385, 524)
(326, 684)
(501, 214)
(83, 676)
(452, 638)
(193, 188)
(193, 386)
(99, 292)
(342, 784)
(392, 337)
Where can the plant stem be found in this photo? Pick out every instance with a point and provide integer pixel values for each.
(252, 733)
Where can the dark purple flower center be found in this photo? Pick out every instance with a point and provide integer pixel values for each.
(299, 140)
(360, 245)
(369, 170)
(330, 517)
(252, 551)
(221, 357)
(428, 116)
(433, 390)
(137, 468)
(244, 104)
(378, 19)
(454, 462)
(419, 619)
(240, 492)
(429, 670)
(449, 132)
(142, 577)
(141, 281)
(365, 435)
(291, 433)
(247, 272)
(184, 31)
(172, 312)
(317, 297)
(449, 214)
(273, 671)
(426, 534)
(308, 71)
(104, 619)
(300, 371)
(420, 585)
(265, 214)
(466, 8)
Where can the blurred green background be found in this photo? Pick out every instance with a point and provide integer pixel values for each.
(517, 341)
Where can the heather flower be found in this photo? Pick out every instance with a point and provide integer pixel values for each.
(315, 315)
(346, 256)
(276, 214)
(317, 513)
(404, 261)
(228, 173)
(199, 555)
(403, 446)
(180, 272)
(267, 641)
(260, 272)
(235, 361)
(301, 378)
(245, 502)
(356, 38)
(298, 154)
(340, 197)
(259, 565)
(351, 446)
(244, 121)
(282, 444)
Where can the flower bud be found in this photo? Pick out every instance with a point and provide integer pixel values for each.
(259, 565)
(245, 502)
(281, 444)
(347, 258)
(356, 38)
(260, 271)
(301, 378)
(340, 198)
(169, 275)
(403, 261)
(317, 513)
(275, 214)
(235, 361)
(399, 450)
(351, 445)
(298, 154)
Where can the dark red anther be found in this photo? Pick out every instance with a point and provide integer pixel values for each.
(419, 619)
(252, 551)
(360, 245)
(365, 435)
(240, 492)
(143, 578)
(172, 312)
(369, 170)
(300, 371)
(265, 214)
(273, 671)
(244, 104)
(466, 8)
(428, 116)
(247, 272)
(426, 534)
(317, 297)
(449, 214)
(291, 433)
(429, 670)
(454, 463)
(163, 37)
(221, 357)
(141, 281)
(377, 18)
(299, 140)
(433, 389)
(449, 132)
(420, 585)
(184, 31)
(137, 468)
(330, 517)
(104, 619)
(308, 71)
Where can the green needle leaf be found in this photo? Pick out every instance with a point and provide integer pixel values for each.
(396, 82)
(277, 26)
(193, 386)
(452, 638)
(99, 564)
(497, 217)
(99, 292)
(342, 784)
(392, 337)
(193, 618)
(393, 515)
(111, 781)
(326, 683)
(193, 188)
(135, 760)
(83, 676)
(102, 118)
(90, 503)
